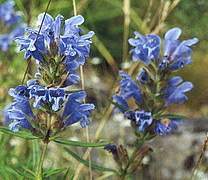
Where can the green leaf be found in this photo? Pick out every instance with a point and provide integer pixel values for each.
(3, 172)
(11, 171)
(72, 177)
(85, 162)
(25, 175)
(53, 172)
(169, 116)
(119, 106)
(77, 143)
(35, 154)
(23, 135)
(73, 91)
(28, 170)
(66, 174)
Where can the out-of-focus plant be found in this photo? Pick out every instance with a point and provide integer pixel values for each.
(11, 24)
(153, 90)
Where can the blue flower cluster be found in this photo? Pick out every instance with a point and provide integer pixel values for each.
(58, 57)
(66, 50)
(10, 23)
(155, 88)
(20, 111)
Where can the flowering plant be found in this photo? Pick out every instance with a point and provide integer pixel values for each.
(153, 90)
(47, 105)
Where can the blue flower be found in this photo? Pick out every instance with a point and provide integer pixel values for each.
(129, 88)
(19, 112)
(143, 119)
(71, 25)
(183, 49)
(7, 10)
(180, 63)
(163, 63)
(143, 76)
(75, 47)
(122, 102)
(56, 96)
(15, 19)
(9, 18)
(71, 65)
(6, 39)
(75, 110)
(50, 28)
(111, 148)
(5, 42)
(50, 41)
(19, 92)
(161, 129)
(171, 40)
(40, 95)
(33, 45)
(146, 48)
(166, 126)
(178, 52)
(72, 78)
(175, 93)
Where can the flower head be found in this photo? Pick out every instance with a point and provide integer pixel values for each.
(167, 126)
(146, 48)
(75, 110)
(157, 88)
(175, 93)
(129, 88)
(19, 113)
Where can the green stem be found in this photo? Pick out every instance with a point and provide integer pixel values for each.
(131, 159)
(40, 165)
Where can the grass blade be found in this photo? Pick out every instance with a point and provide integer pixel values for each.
(35, 154)
(170, 116)
(77, 143)
(53, 172)
(85, 162)
(23, 135)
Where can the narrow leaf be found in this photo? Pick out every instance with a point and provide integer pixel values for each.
(11, 171)
(77, 143)
(119, 106)
(35, 154)
(3, 172)
(66, 174)
(73, 91)
(72, 177)
(23, 135)
(85, 162)
(28, 170)
(26, 175)
(170, 116)
(53, 172)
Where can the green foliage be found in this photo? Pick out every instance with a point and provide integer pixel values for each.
(20, 134)
(86, 163)
(80, 144)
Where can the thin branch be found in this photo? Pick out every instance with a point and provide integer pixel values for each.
(29, 59)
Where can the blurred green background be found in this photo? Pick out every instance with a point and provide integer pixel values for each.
(113, 21)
